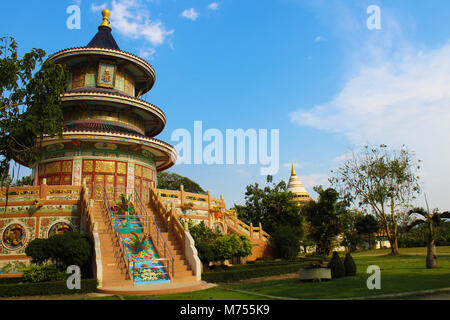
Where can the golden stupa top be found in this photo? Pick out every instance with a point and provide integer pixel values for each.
(296, 186)
(106, 13)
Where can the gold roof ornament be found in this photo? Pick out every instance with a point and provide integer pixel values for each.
(106, 13)
(293, 170)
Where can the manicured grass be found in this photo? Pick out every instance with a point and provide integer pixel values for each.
(399, 274)
(404, 273)
(208, 294)
(415, 251)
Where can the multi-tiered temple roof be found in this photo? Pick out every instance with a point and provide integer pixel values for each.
(109, 130)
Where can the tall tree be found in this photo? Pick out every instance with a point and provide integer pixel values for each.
(325, 217)
(271, 206)
(384, 180)
(29, 103)
(279, 215)
(173, 181)
(431, 220)
(367, 225)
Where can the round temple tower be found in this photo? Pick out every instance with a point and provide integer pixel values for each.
(108, 137)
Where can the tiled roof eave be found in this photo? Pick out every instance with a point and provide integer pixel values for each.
(115, 95)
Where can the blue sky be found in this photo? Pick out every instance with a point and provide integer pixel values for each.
(311, 69)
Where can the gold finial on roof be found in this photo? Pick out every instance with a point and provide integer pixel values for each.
(106, 13)
(293, 170)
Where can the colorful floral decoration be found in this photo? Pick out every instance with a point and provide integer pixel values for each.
(14, 237)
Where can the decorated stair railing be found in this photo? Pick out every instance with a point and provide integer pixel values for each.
(150, 227)
(118, 248)
(169, 216)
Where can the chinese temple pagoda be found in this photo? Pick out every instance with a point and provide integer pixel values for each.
(109, 131)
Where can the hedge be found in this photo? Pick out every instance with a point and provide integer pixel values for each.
(242, 274)
(45, 288)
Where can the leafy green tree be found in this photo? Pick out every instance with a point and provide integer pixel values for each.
(382, 179)
(432, 221)
(325, 218)
(29, 103)
(173, 181)
(271, 206)
(205, 239)
(286, 242)
(351, 238)
(366, 226)
(24, 181)
(232, 245)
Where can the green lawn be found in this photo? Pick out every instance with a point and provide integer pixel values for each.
(403, 273)
(216, 293)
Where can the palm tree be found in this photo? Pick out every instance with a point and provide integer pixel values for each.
(431, 221)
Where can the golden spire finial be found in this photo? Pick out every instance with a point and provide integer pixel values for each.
(293, 170)
(106, 13)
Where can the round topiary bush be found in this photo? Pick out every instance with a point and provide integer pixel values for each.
(337, 266)
(350, 266)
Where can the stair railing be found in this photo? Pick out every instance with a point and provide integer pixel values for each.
(118, 249)
(151, 227)
(169, 216)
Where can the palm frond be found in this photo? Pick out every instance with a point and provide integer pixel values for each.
(414, 223)
(445, 215)
(420, 211)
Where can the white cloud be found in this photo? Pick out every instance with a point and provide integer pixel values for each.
(147, 53)
(96, 8)
(397, 97)
(243, 172)
(319, 38)
(213, 6)
(343, 157)
(190, 14)
(131, 19)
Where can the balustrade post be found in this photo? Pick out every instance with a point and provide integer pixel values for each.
(260, 232)
(182, 195)
(251, 230)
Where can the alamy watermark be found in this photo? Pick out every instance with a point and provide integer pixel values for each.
(235, 146)
(374, 20)
(74, 19)
(74, 280)
(374, 281)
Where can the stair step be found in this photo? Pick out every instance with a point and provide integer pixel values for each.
(184, 279)
(117, 283)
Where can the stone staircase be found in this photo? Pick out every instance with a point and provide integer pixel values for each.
(183, 272)
(113, 275)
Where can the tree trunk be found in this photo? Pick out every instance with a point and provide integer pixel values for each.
(394, 245)
(432, 261)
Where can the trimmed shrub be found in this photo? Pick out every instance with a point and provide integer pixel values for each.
(350, 266)
(45, 288)
(248, 273)
(70, 248)
(43, 273)
(337, 266)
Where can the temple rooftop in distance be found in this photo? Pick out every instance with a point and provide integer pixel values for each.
(296, 187)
